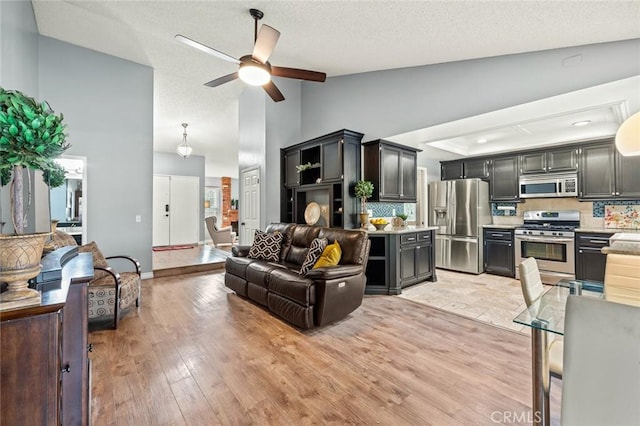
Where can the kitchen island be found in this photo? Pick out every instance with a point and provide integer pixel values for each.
(400, 257)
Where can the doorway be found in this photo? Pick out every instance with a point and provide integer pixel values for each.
(68, 203)
(250, 204)
(176, 211)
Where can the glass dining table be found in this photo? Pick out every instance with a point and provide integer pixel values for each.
(546, 315)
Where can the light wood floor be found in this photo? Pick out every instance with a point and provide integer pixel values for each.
(196, 354)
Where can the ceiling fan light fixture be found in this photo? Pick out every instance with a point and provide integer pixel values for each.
(628, 136)
(254, 74)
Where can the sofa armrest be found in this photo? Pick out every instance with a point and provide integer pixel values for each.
(240, 251)
(334, 272)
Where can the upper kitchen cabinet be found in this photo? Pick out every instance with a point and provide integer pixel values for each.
(467, 169)
(605, 174)
(476, 169)
(393, 170)
(550, 161)
(504, 179)
(451, 170)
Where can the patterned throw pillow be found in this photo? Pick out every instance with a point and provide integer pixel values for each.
(98, 258)
(314, 253)
(266, 246)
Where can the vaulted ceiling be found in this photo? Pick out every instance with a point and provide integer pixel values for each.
(337, 37)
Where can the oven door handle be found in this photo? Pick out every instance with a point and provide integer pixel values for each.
(545, 240)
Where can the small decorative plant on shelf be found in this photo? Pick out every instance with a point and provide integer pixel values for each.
(31, 137)
(364, 191)
(303, 167)
(399, 220)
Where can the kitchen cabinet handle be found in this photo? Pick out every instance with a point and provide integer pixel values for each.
(613, 193)
(598, 242)
(509, 245)
(580, 251)
(497, 235)
(66, 369)
(411, 239)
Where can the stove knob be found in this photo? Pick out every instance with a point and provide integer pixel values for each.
(541, 232)
(560, 234)
(553, 233)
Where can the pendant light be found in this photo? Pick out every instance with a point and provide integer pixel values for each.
(183, 149)
(628, 136)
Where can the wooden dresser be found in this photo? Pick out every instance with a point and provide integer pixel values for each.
(44, 368)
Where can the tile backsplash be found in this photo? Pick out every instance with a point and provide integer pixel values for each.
(590, 216)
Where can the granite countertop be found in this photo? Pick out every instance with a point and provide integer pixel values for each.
(623, 247)
(394, 230)
(512, 226)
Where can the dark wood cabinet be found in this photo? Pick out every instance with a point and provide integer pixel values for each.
(627, 177)
(562, 159)
(549, 161)
(291, 161)
(504, 179)
(392, 168)
(476, 169)
(333, 169)
(44, 365)
(605, 174)
(597, 171)
(452, 170)
(332, 160)
(399, 260)
(499, 252)
(467, 169)
(590, 262)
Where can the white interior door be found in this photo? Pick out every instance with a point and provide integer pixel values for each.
(184, 213)
(161, 205)
(250, 205)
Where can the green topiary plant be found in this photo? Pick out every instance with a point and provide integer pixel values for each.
(31, 136)
(364, 190)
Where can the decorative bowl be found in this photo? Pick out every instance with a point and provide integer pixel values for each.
(380, 226)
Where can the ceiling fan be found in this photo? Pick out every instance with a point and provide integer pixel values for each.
(255, 69)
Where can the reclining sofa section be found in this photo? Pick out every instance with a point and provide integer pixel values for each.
(321, 296)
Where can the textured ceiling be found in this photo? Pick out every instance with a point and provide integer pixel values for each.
(337, 37)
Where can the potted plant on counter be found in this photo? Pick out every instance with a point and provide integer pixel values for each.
(364, 191)
(31, 137)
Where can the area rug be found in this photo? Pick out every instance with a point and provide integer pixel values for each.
(489, 299)
(176, 247)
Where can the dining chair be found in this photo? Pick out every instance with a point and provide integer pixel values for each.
(601, 384)
(622, 279)
(532, 288)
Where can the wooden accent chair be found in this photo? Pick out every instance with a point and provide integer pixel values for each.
(111, 293)
(220, 236)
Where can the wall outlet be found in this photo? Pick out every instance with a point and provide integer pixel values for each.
(138, 218)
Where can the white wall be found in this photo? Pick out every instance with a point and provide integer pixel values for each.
(265, 127)
(108, 106)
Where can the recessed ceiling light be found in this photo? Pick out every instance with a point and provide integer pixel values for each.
(481, 140)
(582, 123)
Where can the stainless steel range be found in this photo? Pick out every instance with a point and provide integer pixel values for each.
(548, 236)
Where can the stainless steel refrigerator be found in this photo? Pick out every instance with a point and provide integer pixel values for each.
(459, 208)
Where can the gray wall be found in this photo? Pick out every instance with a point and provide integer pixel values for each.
(18, 71)
(385, 103)
(265, 127)
(108, 107)
(165, 163)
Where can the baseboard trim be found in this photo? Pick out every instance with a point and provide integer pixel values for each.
(146, 275)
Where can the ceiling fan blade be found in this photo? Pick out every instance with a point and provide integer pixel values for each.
(273, 91)
(299, 74)
(222, 80)
(206, 49)
(266, 41)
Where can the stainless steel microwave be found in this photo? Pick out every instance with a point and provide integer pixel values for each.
(549, 185)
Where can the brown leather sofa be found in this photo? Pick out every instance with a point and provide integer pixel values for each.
(322, 296)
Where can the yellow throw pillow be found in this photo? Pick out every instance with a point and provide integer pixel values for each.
(330, 256)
